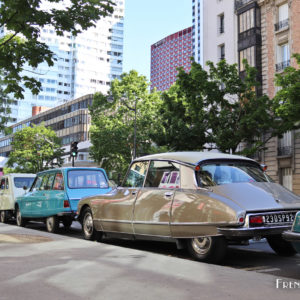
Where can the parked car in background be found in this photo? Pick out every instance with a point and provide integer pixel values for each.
(201, 200)
(293, 235)
(55, 194)
(12, 186)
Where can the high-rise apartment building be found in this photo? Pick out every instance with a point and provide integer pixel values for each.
(197, 11)
(219, 38)
(167, 55)
(84, 64)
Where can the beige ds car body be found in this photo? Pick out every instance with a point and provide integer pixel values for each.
(204, 218)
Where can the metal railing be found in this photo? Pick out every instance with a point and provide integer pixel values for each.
(281, 66)
(221, 29)
(284, 151)
(282, 24)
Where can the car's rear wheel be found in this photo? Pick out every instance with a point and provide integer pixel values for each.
(281, 246)
(52, 224)
(208, 249)
(3, 216)
(19, 219)
(88, 228)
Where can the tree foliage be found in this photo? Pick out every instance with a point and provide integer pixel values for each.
(112, 130)
(35, 149)
(25, 20)
(216, 109)
(287, 99)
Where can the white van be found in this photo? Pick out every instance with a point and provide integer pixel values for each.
(12, 186)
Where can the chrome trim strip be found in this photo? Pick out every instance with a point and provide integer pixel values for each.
(133, 222)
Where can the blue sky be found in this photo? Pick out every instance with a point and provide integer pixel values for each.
(148, 21)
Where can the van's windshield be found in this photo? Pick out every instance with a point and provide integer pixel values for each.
(20, 182)
(218, 173)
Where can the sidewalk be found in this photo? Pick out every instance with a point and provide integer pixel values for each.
(40, 265)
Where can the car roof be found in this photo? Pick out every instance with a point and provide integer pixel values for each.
(71, 168)
(192, 158)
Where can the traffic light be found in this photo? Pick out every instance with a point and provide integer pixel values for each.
(73, 149)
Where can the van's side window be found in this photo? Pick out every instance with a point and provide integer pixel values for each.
(2, 184)
(58, 182)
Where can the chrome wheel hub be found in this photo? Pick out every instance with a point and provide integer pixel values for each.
(88, 224)
(201, 245)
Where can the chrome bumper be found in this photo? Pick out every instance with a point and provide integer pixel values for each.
(253, 232)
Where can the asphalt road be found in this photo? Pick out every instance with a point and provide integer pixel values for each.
(257, 257)
(35, 264)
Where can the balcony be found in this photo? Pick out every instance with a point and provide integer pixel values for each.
(241, 3)
(281, 66)
(284, 151)
(284, 24)
(248, 38)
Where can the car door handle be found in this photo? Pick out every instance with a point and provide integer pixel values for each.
(168, 194)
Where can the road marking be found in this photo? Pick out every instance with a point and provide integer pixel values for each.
(269, 270)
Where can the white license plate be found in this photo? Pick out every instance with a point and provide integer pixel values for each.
(279, 218)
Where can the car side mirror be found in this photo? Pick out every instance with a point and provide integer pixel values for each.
(25, 187)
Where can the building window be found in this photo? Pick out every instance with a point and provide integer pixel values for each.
(222, 51)
(283, 57)
(221, 23)
(285, 144)
(246, 20)
(283, 17)
(287, 178)
(249, 55)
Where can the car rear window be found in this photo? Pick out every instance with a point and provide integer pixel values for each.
(20, 182)
(218, 173)
(82, 179)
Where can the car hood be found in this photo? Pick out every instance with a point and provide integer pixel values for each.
(259, 196)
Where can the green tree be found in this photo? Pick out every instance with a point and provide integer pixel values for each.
(5, 110)
(216, 109)
(25, 20)
(287, 99)
(35, 149)
(113, 117)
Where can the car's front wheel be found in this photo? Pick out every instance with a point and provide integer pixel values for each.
(208, 249)
(20, 220)
(281, 246)
(89, 231)
(52, 224)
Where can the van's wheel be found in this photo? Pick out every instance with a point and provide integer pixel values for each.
(89, 231)
(3, 216)
(67, 223)
(52, 224)
(208, 249)
(281, 246)
(20, 220)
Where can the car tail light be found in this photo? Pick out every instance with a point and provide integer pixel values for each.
(256, 220)
(66, 204)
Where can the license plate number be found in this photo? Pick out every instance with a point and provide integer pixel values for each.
(279, 218)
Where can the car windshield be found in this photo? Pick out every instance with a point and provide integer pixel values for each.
(218, 173)
(20, 182)
(83, 179)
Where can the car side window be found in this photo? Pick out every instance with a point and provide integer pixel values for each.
(50, 181)
(163, 174)
(136, 175)
(58, 182)
(37, 183)
(6, 184)
(43, 185)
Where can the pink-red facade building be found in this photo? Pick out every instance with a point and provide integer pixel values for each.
(167, 55)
